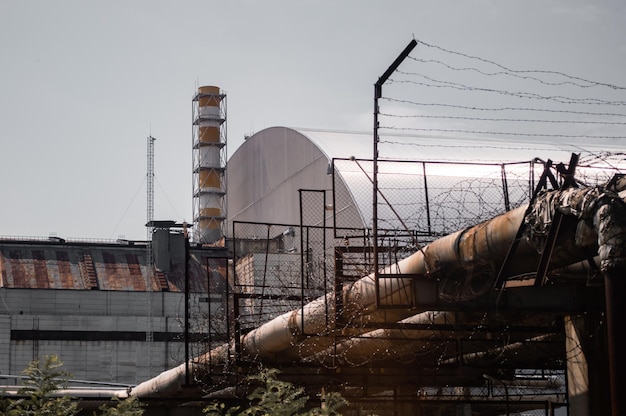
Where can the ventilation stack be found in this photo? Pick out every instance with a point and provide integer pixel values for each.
(209, 156)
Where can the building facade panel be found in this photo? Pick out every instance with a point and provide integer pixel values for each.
(99, 336)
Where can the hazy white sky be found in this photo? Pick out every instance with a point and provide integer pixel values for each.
(83, 83)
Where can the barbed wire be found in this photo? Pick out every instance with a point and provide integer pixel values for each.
(503, 119)
(491, 133)
(516, 94)
(529, 71)
(499, 109)
(464, 95)
(453, 206)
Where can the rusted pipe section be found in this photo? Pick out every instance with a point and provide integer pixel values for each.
(466, 262)
(385, 342)
(461, 248)
(278, 334)
(601, 212)
(392, 342)
(512, 348)
(485, 243)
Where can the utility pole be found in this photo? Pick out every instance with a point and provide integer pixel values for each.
(378, 93)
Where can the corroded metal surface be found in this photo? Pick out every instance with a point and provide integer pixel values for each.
(45, 265)
(458, 257)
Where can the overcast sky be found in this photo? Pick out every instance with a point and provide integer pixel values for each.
(83, 83)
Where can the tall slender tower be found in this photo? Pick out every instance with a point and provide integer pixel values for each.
(209, 162)
(150, 229)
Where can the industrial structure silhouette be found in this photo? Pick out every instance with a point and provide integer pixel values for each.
(443, 276)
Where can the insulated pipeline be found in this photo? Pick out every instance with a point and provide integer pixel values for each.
(461, 257)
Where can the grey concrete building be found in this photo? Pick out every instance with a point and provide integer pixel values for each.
(110, 319)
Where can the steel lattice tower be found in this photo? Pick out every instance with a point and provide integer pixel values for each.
(209, 161)
(150, 229)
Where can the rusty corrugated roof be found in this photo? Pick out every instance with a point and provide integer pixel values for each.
(88, 266)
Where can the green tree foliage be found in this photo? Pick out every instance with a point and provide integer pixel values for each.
(42, 380)
(38, 396)
(277, 398)
(126, 407)
(333, 402)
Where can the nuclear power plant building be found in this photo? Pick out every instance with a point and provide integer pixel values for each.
(277, 270)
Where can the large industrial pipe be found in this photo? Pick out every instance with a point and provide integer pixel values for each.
(393, 342)
(384, 343)
(469, 253)
(360, 297)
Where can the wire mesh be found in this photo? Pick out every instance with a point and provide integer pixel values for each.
(426, 199)
(278, 268)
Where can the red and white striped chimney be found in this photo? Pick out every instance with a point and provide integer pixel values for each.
(209, 161)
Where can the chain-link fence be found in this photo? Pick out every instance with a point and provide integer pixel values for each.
(429, 199)
(277, 269)
(425, 200)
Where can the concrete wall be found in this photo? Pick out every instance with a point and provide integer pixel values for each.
(98, 335)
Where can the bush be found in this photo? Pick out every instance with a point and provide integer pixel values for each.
(37, 396)
(126, 407)
(42, 379)
(277, 398)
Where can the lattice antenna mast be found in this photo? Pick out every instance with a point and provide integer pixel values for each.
(150, 186)
(150, 229)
